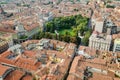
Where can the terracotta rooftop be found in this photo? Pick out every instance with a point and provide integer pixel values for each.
(27, 63)
(114, 36)
(29, 54)
(32, 26)
(8, 22)
(14, 75)
(3, 69)
(116, 79)
(5, 54)
(71, 77)
(56, 42)
(26, 43)
(57, 53)
(27, 77)
(7, 61)
(97, 61)
(49, 77)
(75, 64)
(80, 63)
(4, 57)
(100, 77)
(88, 50)
(7, 30)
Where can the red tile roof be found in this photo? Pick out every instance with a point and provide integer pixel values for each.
(24, 44)
(75, 64)
(88, 50)
(8, 22)
(116, 79)
(7, 30)
(14, 75)
(71, 77)
(31, 27)
(29, 54)
(49, 77)
(27, 77)
(3, 69)
(114, 36)
(97, 61)
(4, 59)
(98, 76)
(5, 54)
(28, 64)
(7, 61)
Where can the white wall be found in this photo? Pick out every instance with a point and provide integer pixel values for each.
(1, 78)
(99, 26)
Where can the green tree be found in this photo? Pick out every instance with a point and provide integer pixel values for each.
(49, 26)
(41, 35)
(85, 40)
(70, 24)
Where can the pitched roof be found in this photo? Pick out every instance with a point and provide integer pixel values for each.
(97, 61)
(14, 75)
(27, 77)
(6, 30)
(27, 63)
(75, 64)
(31, 27)
(114, 36)
(3, 69)
(29, 54)
(116, 78)
(5, 54)
(88, 50)
(99, 76)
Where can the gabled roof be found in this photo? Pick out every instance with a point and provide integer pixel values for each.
(27, 77)
(14, 75)
(6, 30)
(28, 64)
(3, 69)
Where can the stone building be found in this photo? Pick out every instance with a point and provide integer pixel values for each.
(100, 41)
(116, 47)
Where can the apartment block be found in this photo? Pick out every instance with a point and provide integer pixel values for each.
(100, 41)
(6, 41)
(116, 47)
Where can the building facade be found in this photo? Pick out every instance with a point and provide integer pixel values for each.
(3, 46)
(116, 47)
(6, 41)
(100, 42)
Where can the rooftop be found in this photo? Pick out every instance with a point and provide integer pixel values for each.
(3, 69)
(14, 75)
(27, 64)
(27, 77)
(100, 66)
(117, 41)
